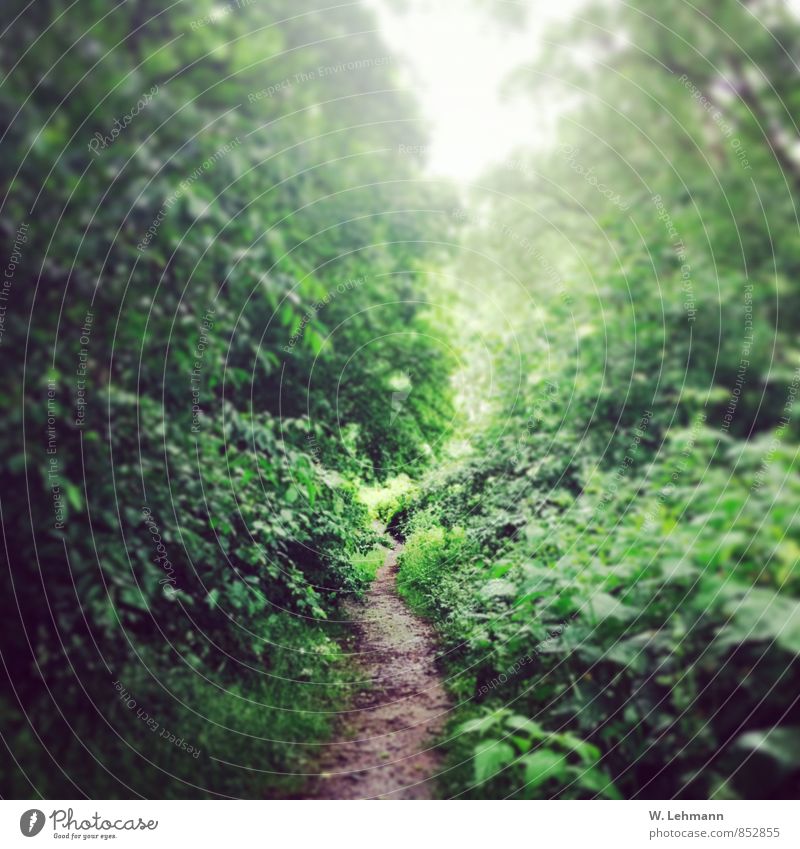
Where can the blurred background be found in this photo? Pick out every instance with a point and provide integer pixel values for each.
(519, 281)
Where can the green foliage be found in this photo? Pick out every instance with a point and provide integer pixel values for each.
(385, 501)
(239, 284)
(516, 757)
(202, 278)
(647, 614)
(367, 565)
(430, 560)
(629, 489)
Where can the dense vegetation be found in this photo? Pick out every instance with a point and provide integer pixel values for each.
(227, 352)
(194, 384)
(615, 556)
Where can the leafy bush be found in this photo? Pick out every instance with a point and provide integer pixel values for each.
(367, 565)
(196, 526)
(385, 501)
(516, 757)
(429, 560)
(662, 655)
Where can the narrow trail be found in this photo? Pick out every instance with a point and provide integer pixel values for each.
(382, 747)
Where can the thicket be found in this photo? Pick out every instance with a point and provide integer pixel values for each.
(217, 224)
(220, 343)
(614, 556)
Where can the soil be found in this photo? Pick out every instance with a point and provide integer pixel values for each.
(383, 748)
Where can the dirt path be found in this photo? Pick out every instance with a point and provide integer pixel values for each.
(382, 747)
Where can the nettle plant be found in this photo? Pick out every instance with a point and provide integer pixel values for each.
(515, 756)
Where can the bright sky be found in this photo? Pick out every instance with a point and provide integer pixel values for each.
(458, 60)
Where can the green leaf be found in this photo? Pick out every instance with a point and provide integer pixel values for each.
(499, 588)
(73, 495)
(762, 615)
(315, 341)
(479, 725)
(517, 722)
(542, 765)
(605, 606)
(598, 782)
(780, 744)
(491, 756)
